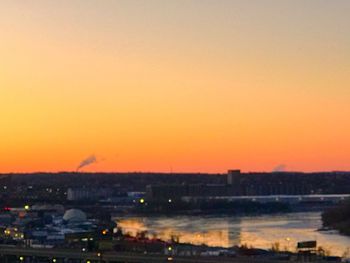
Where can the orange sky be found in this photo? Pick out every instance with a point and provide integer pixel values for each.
(188, 85)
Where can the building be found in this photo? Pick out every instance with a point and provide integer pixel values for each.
(79, 194)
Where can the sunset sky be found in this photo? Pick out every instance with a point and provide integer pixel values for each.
(185, 85)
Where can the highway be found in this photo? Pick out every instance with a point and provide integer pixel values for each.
(64, 255)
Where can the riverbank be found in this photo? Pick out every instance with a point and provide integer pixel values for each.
(338, 218)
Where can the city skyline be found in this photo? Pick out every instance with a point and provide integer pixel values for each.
(183, 86)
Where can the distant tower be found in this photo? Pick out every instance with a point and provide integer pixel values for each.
(233, 176)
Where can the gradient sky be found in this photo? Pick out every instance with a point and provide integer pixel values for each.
(185, 85)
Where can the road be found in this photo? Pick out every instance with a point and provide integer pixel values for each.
(60, 254)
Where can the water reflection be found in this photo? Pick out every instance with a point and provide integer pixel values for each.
(183, 228)
(226, 231)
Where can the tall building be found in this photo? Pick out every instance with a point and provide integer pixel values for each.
(233, 176)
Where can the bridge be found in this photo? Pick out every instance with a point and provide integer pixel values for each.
(289, 199)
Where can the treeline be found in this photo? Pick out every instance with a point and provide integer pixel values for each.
(248, 183)
(133, 181)
(338, 218)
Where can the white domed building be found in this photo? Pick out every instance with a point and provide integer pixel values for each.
(74, 216)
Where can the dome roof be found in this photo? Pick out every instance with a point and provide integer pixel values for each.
(74, 215)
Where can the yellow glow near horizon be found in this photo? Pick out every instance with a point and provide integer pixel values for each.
(174, 86)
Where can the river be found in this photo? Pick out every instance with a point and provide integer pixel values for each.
(254, 231)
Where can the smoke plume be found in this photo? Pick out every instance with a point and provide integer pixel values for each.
(88, 161)
(279, 168)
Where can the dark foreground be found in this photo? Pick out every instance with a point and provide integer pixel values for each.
(13, 254)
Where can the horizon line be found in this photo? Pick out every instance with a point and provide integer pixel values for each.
(173, 172)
